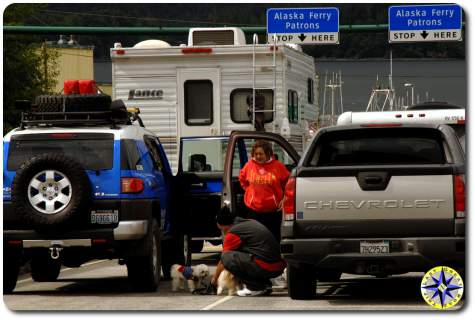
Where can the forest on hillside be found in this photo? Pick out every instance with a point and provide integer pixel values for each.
(352, 45)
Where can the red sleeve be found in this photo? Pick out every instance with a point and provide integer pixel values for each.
(243, 177)
(231, 242)
(284, 174)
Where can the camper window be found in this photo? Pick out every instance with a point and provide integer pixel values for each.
(310, 93)
(293, 106)
(241, 104)
(198, 102)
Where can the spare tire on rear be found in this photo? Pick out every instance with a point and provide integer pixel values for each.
(50, 189)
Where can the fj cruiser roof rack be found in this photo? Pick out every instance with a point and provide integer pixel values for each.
(113, 117)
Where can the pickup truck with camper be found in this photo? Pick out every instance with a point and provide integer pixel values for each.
(366, 199)
(82, 181)
(194, 94)
(427, 112)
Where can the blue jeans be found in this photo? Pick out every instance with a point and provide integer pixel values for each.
(242, 266)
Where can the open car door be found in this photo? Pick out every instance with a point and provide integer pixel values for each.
(198, 192)
(238, 152)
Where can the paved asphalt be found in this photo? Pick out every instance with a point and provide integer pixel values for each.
(103, 285)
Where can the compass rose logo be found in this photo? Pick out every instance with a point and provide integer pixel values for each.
(442, 287)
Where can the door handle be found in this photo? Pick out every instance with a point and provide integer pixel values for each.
(197, 185)
(373, 181)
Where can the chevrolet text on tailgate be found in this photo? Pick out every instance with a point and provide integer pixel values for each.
(374, 199)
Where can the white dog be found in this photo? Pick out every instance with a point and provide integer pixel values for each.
(226, 280)
(194, 275)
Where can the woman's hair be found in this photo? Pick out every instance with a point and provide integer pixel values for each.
(266, 146)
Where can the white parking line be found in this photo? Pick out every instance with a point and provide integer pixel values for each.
(67, 269)
(214, 304)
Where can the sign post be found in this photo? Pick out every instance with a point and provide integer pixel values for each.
(303, 25)
(425, 23)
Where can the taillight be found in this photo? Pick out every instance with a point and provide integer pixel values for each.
(131, 185)
(62, 135)
(99, 241)
(196, 50)
(15, 243)
(288, 207)
(459, 191)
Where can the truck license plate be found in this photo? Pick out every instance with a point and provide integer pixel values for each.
(374, 247)
(105, 216)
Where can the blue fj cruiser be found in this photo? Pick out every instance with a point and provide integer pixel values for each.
(82, 182)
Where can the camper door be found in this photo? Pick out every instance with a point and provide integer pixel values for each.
(198, 102)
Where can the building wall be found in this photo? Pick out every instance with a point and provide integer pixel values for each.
(74, 64)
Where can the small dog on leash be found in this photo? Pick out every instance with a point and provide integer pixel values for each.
(193, 275)
(227, 281)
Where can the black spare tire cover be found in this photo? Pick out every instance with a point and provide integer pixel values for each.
(50, 189)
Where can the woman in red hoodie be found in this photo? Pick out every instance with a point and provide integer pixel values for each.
(263, 179)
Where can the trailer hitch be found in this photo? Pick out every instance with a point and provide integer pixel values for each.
(55, 251)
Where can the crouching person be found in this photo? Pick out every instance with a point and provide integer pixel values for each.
(250, 253)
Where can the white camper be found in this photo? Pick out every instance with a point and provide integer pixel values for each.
(215, 84)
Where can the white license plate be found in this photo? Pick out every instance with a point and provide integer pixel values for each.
(105, 217)
(374, 247)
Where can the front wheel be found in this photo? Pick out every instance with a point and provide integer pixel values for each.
(172, 253)
(44, 268)
(197, 246)
(11, 269)
(144, 271)
(302, 281)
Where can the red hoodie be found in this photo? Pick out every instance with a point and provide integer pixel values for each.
(264, 184)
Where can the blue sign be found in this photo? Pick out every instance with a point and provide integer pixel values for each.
(430, 17)
(437, 23)
(303, 25)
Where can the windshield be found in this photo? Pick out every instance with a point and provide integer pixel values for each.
(203, 155)
(93, 152)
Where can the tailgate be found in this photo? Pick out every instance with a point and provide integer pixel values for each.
(377, 182)
(411, 205)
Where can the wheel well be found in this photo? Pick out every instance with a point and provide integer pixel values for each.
(156, 214)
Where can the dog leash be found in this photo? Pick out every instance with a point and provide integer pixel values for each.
(206, 290)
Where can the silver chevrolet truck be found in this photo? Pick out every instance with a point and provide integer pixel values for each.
(374, 200)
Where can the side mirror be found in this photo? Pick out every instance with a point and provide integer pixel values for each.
(197, 162)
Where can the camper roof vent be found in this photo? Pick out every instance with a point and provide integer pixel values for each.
(152, 43)
(294, 46)
(216, 36)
